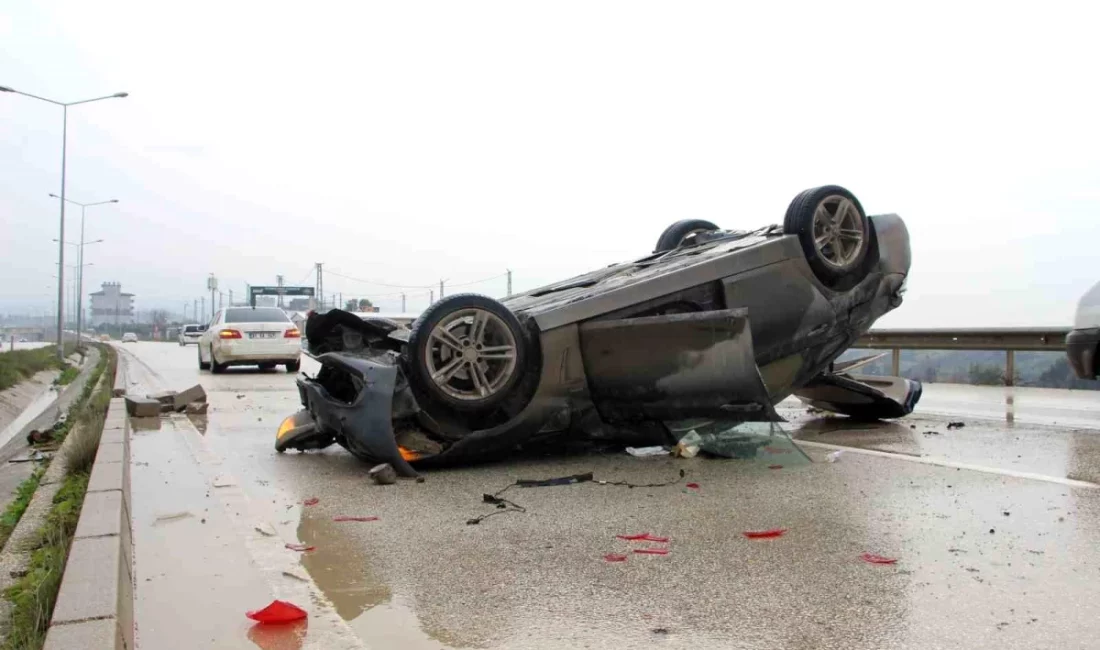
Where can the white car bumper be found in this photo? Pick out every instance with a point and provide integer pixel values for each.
(242, 350)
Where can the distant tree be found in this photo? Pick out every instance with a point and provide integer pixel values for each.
(365, 305)
(983, 375)
(1060, 375)
(351, 305)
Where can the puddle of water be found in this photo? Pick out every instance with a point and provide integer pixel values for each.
(342, 572)
(33, 410)
(394, 624)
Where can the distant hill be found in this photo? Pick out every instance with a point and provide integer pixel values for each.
(979, 367)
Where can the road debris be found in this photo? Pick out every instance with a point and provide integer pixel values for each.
(834, 456)
(312, 501)
(689, 445)
(192, 396)
(775, 467)
(692, 486)
(196, 408)
(279, 611)
(175, 516)
(614, 557)
(651, 551)
(347, 518)
(32, 456)
(871, 558)
(383, 474)
(955, 425)
(931, 433)
(765, 534)
(643, 537)
(142, 407)
(264, 532)
(294, 576)
(647, 452)
(305, 548)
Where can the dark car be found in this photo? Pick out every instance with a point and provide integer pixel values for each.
(713, 324)
(1083, 342)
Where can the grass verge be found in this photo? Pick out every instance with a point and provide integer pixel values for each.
(68, 375)
(17, 365)
(33, 597)
(14, 512)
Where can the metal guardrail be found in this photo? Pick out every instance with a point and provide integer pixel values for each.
(1009, 339)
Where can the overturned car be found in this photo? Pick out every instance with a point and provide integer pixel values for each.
(714, 323)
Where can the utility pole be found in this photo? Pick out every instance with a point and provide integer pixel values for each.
(402, 303)
(185, 312)
(195, 310)
(203, 306)
(212, 285)
(441, 290)
(231, 298)
(320, 291)
(340, 303)
(431, 296)
(279, 282)
(509, 282)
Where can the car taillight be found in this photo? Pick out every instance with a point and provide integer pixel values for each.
(229, 334)
(292, 333)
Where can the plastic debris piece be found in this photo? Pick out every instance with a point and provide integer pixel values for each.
(279, 611)
(871, 558)
(834, 456)
(651, 551)
(300, 547)
(614, 557)
(643, 537)
(175, 516)
(955, 425)
(764, 534)
(775, 467)
(264, 532)
(646, 452)
(312, 501)
(572, 479)
(346, 518)
(693, 486)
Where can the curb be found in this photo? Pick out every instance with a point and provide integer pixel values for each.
(95, 606)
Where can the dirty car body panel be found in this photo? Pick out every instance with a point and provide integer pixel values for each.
(725, 326)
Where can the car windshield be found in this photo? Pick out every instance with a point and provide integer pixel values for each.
(190, 329)
(260, 315)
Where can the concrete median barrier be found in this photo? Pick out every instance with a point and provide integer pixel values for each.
(95, 607)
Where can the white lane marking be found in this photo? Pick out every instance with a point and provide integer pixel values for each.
(943, 462)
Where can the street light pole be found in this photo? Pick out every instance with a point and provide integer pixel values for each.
(80, 262)
(61, 237)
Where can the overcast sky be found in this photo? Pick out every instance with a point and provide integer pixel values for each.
(402, 143)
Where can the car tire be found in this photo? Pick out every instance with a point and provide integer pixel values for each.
(675, 234)
(202, 364)
(293, 366)
(215, 367)
(833, 230)
(468, 370)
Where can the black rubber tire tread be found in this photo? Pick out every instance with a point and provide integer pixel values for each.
(215, 367)
(417, 369)
(293, 366)
(674, 234)
(799, 221)
(202, 366)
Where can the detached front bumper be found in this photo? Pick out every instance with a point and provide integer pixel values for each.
(1081, 350)
(360, 417)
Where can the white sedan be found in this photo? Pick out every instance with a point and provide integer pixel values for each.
(255, 336)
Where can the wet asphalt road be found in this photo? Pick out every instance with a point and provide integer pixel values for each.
(985, 558)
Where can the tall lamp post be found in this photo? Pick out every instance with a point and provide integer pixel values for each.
(80, 261)
(61, 236)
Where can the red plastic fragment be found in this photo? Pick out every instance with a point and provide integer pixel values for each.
(775, 467)
(279, 611)
(312, 501)
(776, 450)
(764, 534)
(643, 537)
(693, 486)
(871, 558)
(346, 518)
(300, 547)
(651, 551)
(614, 557)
